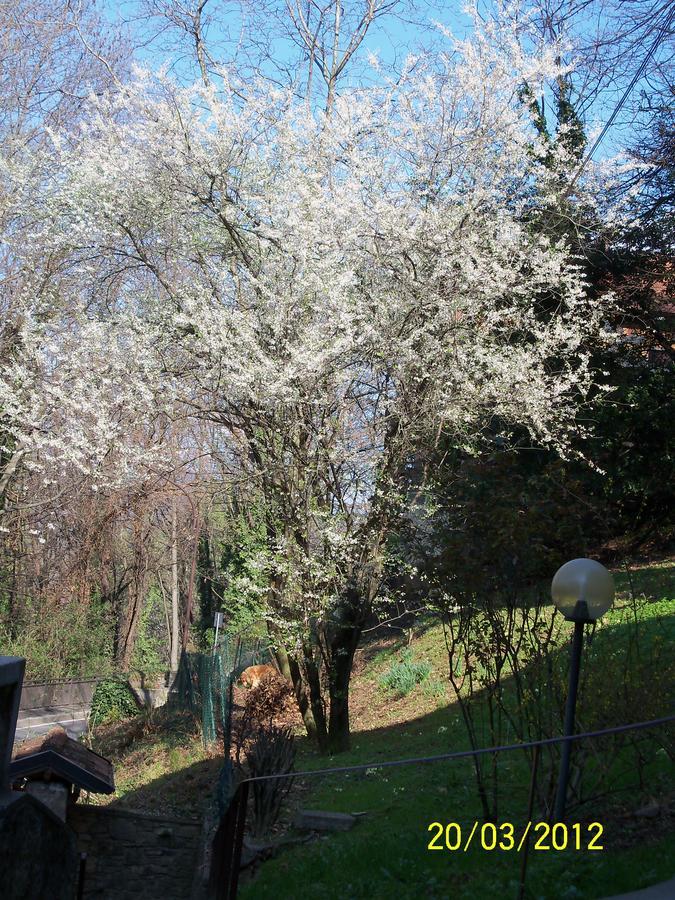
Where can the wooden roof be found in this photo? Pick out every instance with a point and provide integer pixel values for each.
(56, 754)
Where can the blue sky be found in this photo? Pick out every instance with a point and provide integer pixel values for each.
(387, 38)
(384, 37)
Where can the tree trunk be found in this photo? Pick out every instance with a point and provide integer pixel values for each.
(312, 677)
(344, 639)
(292, 672)
(342, 650)
(175, 593)
(192, 580)
(135, 595)
(131, 618)
(338, 722)
(205, 580)
(10, 469)
(290, 669)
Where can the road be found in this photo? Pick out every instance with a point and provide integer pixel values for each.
(34, 722)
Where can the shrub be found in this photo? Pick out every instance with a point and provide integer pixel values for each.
(267, 699)
(405, 675)
(60, 641)
(271, 752)
(149, 656)
(112, 701)
(263, 704)
(434, 688)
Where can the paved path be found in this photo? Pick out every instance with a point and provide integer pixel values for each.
(34, 722)
(663, 891)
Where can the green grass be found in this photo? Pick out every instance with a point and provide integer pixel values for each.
(403, 676)
(161, 765)
(386, 855)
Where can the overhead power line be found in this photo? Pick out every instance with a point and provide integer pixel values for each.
(617, 109)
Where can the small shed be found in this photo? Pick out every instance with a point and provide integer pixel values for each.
(54, 768)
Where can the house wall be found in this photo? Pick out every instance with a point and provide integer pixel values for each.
(38, 855)
(54, 795)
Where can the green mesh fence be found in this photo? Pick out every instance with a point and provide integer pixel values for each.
(203, 684)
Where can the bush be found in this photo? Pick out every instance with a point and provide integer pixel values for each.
(263, 704)
(405, 675)
(112, 701)
(434, 689)
(60, 641)
(149, 657)
(267, 699)
(271, 752)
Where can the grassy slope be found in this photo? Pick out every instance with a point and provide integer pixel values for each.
(160, 765)
(386, 854)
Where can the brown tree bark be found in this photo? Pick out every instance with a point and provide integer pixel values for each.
(343, 643)
(131, 618)
(291, 671)
(135, 595)
(175, 590)
(312, 678)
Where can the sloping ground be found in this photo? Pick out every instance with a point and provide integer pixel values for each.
(161, 767)
(386, 854)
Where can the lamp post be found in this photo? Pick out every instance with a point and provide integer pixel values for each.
(583, 590)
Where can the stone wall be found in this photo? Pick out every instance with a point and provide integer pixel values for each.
(153, 694)
(134, 855)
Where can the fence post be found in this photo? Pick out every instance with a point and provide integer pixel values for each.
(81, 876)
(240, 824)
(227, 847)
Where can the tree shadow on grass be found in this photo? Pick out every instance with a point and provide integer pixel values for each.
(392, 640)
(386, 855)
(185, 792)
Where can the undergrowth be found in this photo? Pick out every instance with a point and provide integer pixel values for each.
(403, 676)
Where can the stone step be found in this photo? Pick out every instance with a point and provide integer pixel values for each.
(318, 820)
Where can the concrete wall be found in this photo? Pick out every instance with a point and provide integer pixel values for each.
(54, 795)
(58, 693)
(154, 694)
(136, 855)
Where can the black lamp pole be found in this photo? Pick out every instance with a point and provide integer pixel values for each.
(583, 590)
(575, 665)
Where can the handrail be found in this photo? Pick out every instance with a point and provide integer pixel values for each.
(460, 754)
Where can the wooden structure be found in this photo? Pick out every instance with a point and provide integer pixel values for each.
(55, 768)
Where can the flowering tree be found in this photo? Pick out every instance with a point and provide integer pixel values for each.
(331, 292)
(46, 76)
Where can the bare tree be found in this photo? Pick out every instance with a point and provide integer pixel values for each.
(309, 45)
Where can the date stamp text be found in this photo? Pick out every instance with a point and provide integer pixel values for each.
(488, 836)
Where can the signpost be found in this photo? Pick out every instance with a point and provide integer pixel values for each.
(218, 621)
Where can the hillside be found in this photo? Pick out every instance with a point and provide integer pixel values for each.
(164, 767)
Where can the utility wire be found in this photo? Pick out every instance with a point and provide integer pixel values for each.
(617, 109)
(463, 754)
